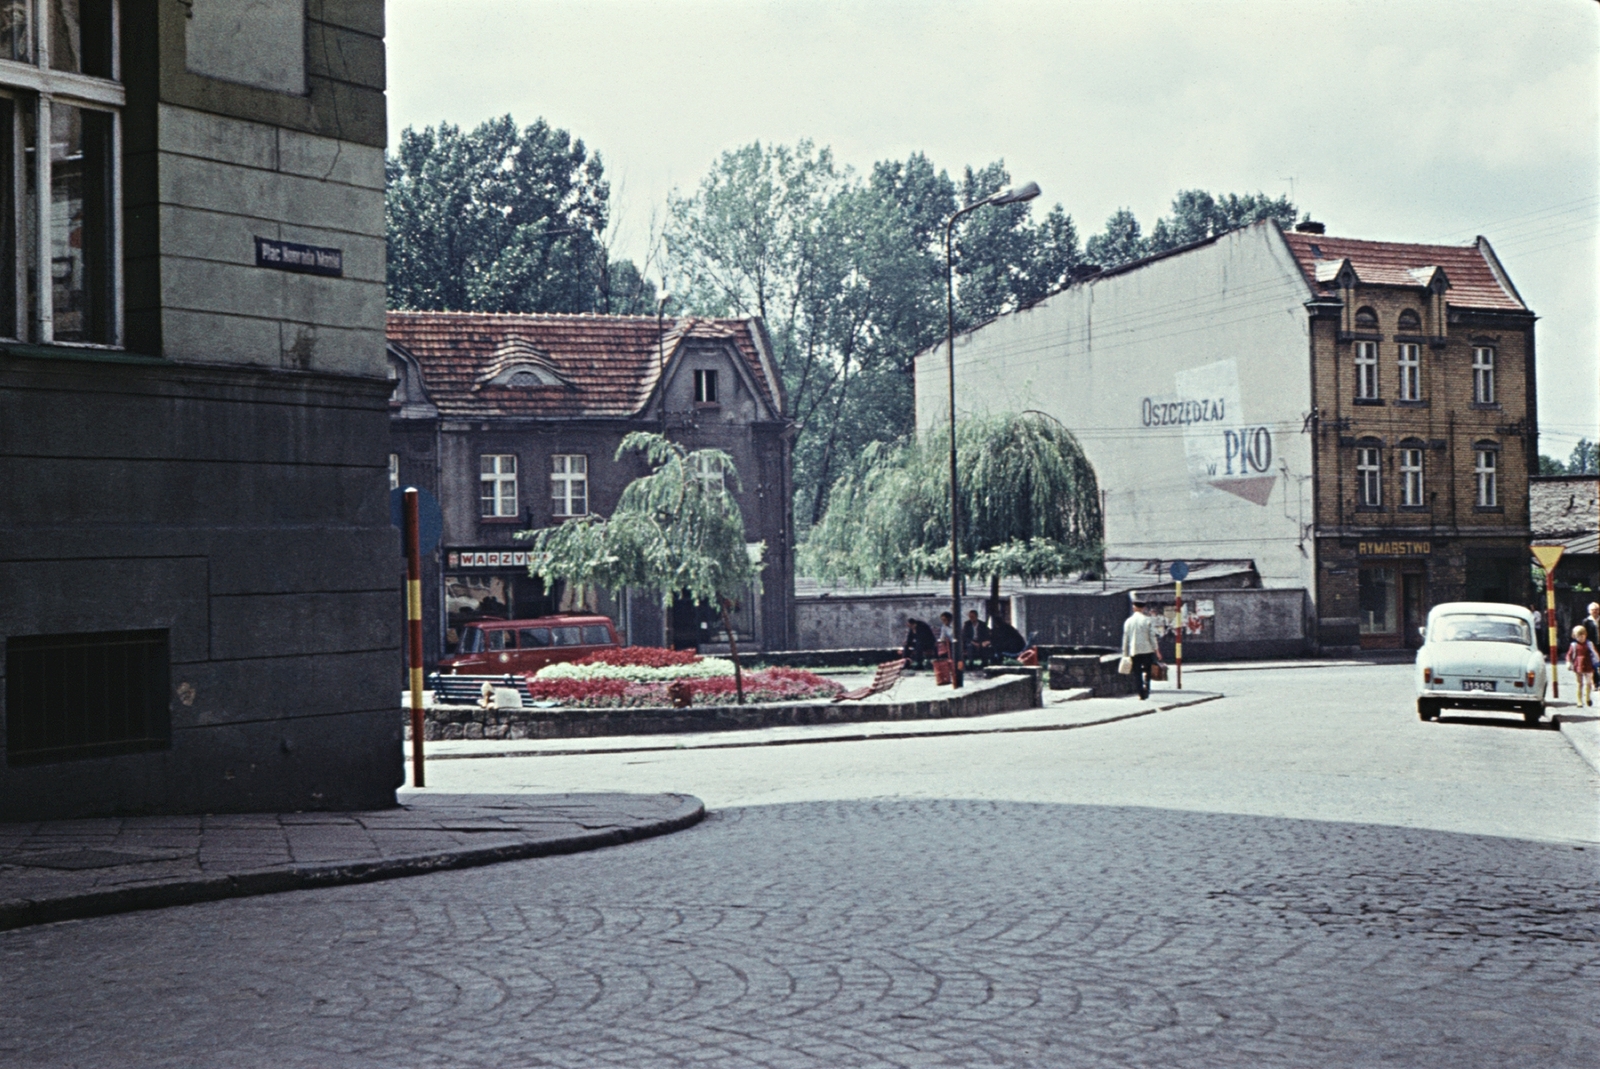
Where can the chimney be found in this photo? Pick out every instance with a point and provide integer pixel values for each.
(1309, 227)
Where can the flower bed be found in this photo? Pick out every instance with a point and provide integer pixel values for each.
(644, 656)
(699, 668)
(596, 692)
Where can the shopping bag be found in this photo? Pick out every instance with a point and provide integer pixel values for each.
(1125, 667)
(943, 676)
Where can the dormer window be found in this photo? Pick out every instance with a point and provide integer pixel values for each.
(1366, 319)
(524, 375)
(705, 387)
(518, 364)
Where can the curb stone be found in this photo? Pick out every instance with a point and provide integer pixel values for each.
(25, 912)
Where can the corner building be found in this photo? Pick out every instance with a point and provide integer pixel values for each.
(1356, 417)
(199, 596)
(514, 421)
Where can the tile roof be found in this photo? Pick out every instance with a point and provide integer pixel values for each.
(1563, 508)
(610, 363)
(1476, 278)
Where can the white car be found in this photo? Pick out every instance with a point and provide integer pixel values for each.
(1480, 655)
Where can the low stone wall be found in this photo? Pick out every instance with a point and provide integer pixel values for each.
(470, 722)
(1097, 671)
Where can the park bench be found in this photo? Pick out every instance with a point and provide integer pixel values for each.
(467, 690)
(887, 675)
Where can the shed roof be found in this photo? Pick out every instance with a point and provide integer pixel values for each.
(610, 364)
(1564, 507)
(1476, 278)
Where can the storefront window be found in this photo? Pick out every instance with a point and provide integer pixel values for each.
(1376, 601)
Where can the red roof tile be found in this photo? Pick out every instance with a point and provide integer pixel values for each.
(1475, 275)
(610, 363)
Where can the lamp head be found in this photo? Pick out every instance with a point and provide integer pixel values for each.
(1016, 195)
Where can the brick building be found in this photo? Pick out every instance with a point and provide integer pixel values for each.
(197, 580)
(1423, 394)
(513, 422)
(1355, 417)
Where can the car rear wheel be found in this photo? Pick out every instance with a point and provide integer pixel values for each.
(1427, 709)
(1533, 714)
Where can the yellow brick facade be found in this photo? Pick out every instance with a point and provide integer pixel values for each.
(1383, 564)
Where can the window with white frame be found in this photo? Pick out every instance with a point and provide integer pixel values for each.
(497, 484)
(1410, 476)
(1486, 472)
(709, 471)
(1369, 476)
(1366, 370)
(569, 484)
(1483, 375)
(1410, 372)
(394, 471)
(59, 209)
(705, 387)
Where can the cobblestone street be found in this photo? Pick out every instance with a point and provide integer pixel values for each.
(1299, 874)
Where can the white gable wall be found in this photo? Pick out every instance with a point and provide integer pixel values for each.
(1188, 383)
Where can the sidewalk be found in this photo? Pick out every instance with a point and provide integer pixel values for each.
(56, 870)
(1063, 710)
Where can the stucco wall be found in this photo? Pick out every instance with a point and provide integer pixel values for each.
(1162, 372)
(868, 622)
(224, 182)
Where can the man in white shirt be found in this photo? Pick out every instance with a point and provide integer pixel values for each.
(1141, 640)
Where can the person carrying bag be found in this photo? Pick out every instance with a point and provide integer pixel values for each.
(1140, 647)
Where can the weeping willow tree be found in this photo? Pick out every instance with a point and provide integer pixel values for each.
(1029, 502)
(676, 530)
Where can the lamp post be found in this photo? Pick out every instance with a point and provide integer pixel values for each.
(1005, 196)
(661, 355)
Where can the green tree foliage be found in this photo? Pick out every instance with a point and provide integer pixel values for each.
(1584, 460)
(848, 272)
(1121, 242)
(1196, 216)
(1029, 500)
(502, 220)
(676, 531)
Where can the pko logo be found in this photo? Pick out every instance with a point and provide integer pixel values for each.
(1250, 448)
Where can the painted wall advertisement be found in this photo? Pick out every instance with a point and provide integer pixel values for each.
(1222, 450)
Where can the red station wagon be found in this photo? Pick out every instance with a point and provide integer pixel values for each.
(494, 647)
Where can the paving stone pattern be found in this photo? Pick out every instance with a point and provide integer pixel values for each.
(864, 933)
(52, 870)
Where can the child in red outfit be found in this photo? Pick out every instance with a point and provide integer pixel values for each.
(1581, 658)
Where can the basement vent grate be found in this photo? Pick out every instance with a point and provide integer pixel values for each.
(70, 697)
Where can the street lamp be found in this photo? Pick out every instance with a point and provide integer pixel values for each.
(661, 354)
(1013, 195)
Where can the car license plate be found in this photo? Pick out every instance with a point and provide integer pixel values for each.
(1477, 684)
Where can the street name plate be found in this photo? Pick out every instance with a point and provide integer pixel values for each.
(301, 259)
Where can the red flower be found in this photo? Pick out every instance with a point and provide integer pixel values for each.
(647, 656)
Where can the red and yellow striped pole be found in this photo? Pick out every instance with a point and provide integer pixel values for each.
(414, 627)
(1548, 557)
(1178, 618)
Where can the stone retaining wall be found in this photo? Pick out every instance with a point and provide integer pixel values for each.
(470, 722)
(1097, 671)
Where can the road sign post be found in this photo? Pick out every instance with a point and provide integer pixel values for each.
(1548, 557)
(413, 539)
(1180, 571)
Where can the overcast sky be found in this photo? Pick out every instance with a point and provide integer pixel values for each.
(1408, 121)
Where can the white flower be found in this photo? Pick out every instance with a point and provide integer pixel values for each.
(705, 668)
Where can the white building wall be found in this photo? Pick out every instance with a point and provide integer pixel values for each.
(1188, 383)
